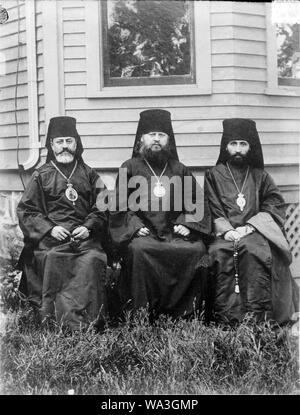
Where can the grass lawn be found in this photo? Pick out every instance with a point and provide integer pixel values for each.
(182, 357)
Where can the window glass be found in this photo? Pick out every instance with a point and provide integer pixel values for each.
(148, 42)
(288, 54)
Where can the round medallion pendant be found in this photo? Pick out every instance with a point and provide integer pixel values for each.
(71, 193)
(159, 190)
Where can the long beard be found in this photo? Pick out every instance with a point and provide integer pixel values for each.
(158, 158)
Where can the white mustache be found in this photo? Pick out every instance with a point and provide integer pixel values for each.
(67, 151)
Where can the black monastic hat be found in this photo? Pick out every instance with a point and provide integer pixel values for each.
(155, 120)
(242, 129)
(63, 127)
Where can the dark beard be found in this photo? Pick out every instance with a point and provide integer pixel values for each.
(157, 158)
(239, 161)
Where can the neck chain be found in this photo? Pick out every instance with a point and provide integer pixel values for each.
(159, 190)
(240, 201)
(70, 192)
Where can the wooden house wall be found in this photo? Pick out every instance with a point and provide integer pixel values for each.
(239, 79)
(13, 103)
(239, 55)
(107, 125)
(14, 90)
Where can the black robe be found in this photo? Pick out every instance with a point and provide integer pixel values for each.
(63, 278)
(267, 288)
(162, 271)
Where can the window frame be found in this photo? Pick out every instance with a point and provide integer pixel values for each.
(273, 87)
(95, 64)
(140, 81)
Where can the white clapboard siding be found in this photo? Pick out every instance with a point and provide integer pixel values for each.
(225, 7)
(11, 79)
(9, 67)
(247, 47)
(193, 139)
(9, 159)
(226, 19)
(8, 45)
(75, 65)
(40, 56)
(41, 114)
(221, 100)
(239, 76)
(9, 91)
(241, 60)
(188, 113)
(8, 105)
(8, 117)
(247, 100)
(9, 108)
(12, 28)
(40, 65)
(239, 80)
(11, 41)
(224, 73)
(74, 26)
(231, 32)
(39, 48)
(12, 53)
(11, 143)
(78, 38)
(40, 87)
(10, 130)
(75, 52)
(72, 13)
(279, 174)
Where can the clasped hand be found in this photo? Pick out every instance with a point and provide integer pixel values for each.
(178, 229)
(237, 233)
(60, 233)
(181, 230)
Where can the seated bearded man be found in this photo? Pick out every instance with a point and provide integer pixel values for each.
(63, 262)
(249, 254)
(160, 241)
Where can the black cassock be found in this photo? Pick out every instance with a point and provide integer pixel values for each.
(65, 279)
(267, 288)
(162, 271)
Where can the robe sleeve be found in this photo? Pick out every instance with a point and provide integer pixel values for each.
(267, 226)
(32, 213)
(194, 197)
(269, 221)
(96, 221)
(123, 223)
(221, 224)
(271, 200)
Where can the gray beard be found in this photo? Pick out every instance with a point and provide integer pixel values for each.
(64, 158)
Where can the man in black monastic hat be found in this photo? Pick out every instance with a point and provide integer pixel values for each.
(249, 256)
(63, 261)
(159, 240)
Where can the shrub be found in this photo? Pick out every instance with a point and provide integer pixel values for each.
(10, 297)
